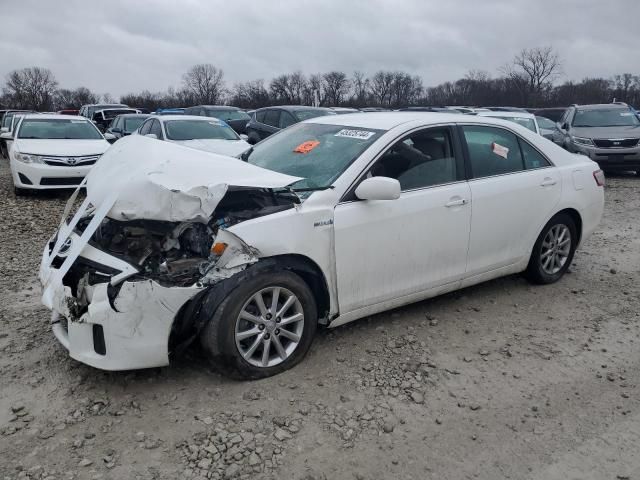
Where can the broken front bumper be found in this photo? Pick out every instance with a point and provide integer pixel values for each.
(120, 327)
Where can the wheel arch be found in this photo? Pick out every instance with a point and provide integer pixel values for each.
(194, 314)
(577, 219)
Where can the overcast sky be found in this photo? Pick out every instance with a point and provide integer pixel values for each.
(121, 46)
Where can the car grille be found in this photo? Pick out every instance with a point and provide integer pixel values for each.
(615, 142)
(69, 181)
(71, 161)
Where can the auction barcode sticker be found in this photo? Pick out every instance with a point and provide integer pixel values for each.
(358, 134)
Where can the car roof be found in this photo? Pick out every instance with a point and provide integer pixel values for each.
(602, 106)
(216, 107)
(135, 115)
(389, 120)
(506, 114)
(55, 116)
(165, 118)
(296, 107)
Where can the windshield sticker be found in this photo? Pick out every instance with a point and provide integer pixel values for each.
(500, 150)
(306, 147)
(357, 134)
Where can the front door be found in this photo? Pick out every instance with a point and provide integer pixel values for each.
(389, 249)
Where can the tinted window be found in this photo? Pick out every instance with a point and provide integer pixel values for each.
(619, 117)
(492, 151)
(532, 158)
(272, 118)
(305, 114)
(199, 129)
(260, 116)
(286, 119)
(228, 114)
(422, 159)
(146, 127)
(58, 129)
(156, 129)
(131, 124)
(317, 153)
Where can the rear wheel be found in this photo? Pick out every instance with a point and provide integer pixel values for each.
(553, 250)
(265, 326)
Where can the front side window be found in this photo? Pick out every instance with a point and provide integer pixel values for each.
(422, 159)
(132, 124)
(199, 129)
(227, 115)
(58, 129)
(146, 127)
(618, 117)
(545, 123)
(272, 118)
(318, 153)
(156, 129)
(492, 151)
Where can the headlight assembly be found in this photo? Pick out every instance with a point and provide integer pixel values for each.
(27, 158)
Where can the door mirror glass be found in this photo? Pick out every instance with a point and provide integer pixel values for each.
(378, 188)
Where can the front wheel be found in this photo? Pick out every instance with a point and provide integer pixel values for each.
(553, 250)
(265, 326)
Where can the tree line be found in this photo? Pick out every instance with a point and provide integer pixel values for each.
(530, 79)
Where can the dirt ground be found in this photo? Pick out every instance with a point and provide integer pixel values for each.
(502, 380)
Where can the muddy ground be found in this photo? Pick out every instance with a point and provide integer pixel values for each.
(502, 380)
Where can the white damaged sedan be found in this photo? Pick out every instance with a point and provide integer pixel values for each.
(331, 220)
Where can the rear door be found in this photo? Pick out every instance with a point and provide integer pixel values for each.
(514, 189)
(271, 122)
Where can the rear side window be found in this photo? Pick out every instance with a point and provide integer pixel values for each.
(146, 127)
(492, 151)
(260, 116)
(532, 158)
(156, 129)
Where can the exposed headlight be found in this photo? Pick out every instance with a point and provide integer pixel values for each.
(582, 141)
(27, 158)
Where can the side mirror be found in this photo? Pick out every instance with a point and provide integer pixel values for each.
(6, 136)
(4, 129)
(152, 135)
(116, 130)
(378, 188)
(109, 137)
(244, 137)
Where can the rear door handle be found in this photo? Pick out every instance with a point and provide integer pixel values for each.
(548, 182)
(456, 202)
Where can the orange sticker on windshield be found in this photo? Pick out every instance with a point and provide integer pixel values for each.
(306, 147)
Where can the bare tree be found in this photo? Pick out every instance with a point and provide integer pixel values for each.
(251, 94)
(381, 84)
(360, 84)
(405, 90)
(533, 71)
(335, 86)
(31, 88)
(205, 83)
(108, 98)
(289, 88)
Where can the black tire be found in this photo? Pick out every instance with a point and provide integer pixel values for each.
(218, 336)
(535, 272)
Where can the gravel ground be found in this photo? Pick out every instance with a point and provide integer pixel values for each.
(502, 380)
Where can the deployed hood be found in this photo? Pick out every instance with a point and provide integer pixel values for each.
(148, 179)
(233, 148)
(61, 147)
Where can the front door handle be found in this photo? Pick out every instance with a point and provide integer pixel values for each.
(548, 182)
(456, 202)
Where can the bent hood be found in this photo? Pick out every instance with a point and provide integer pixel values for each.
(62, 147)
(144, 178)
(231, 148)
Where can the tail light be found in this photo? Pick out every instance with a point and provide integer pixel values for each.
(598, 176)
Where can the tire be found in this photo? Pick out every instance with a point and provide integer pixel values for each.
(547, 245)
(225, 348)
